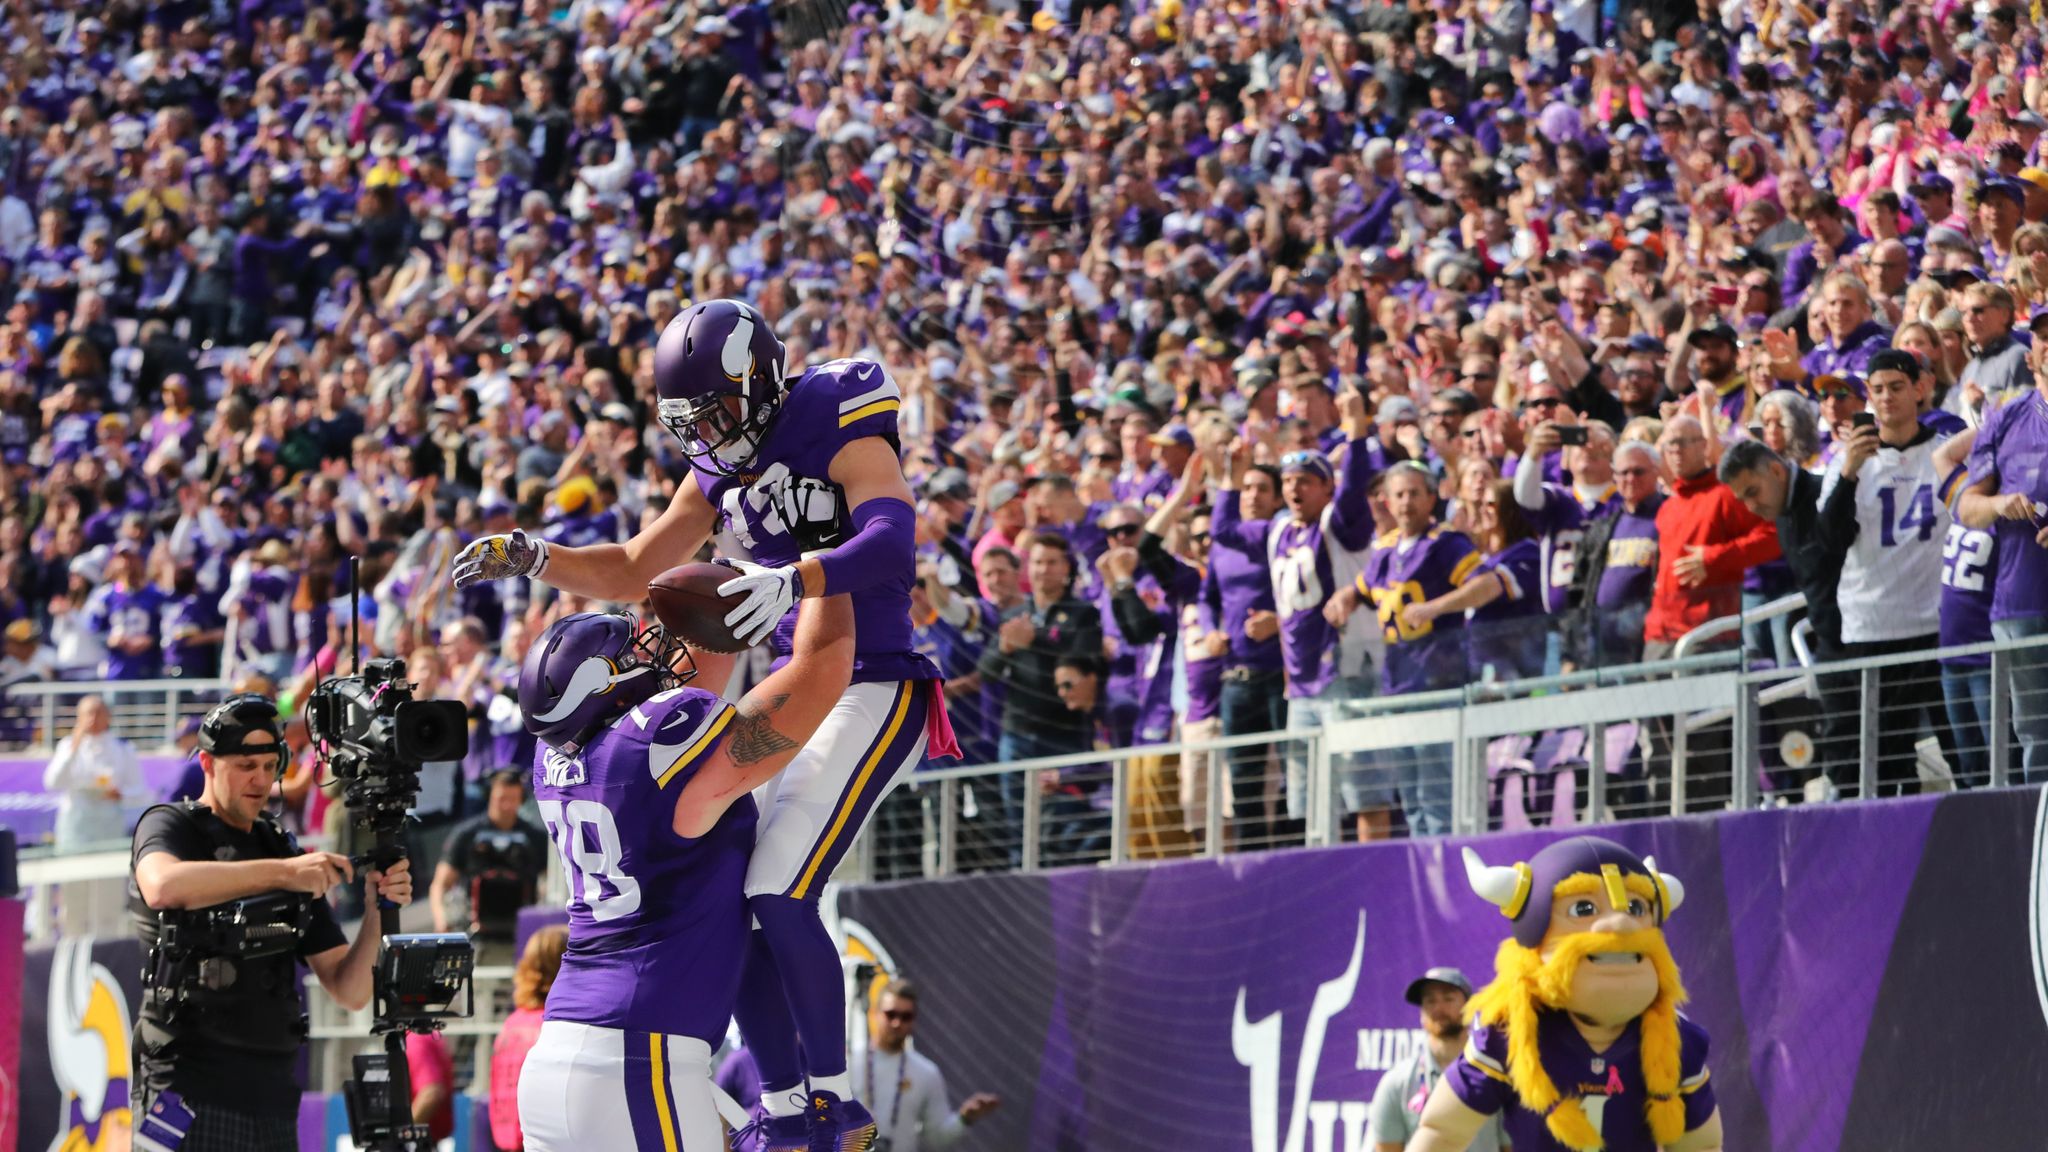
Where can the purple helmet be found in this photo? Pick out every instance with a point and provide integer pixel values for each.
(718, 370)
(590, 667)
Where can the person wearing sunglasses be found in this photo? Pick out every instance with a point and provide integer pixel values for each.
(907, 1090)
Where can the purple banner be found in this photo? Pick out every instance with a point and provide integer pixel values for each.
(1839, 956)
(32, 812)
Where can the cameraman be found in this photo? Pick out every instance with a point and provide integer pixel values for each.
(225, 1048)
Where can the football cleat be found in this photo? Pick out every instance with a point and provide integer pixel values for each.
(774, 1134)
(839, 1125)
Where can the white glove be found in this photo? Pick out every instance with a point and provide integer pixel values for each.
(770, 593)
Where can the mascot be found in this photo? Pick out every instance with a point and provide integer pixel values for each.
(1579, 1038)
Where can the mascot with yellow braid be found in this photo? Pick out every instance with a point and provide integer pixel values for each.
(1579, 1038)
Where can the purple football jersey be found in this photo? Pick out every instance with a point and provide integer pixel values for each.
(1560, 523)
(115, 612)
(1303, 579)
(1403, 572)
(2013, 449)
(830, 407)
(657, 923)
(1610, 1083)
(1969, 561)
(1146, 489)
(1507, 634)
(1204, 673)
(1244, 583)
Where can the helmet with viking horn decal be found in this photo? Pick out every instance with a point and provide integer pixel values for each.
(591, 667)
(719, 373)
(1523, 891)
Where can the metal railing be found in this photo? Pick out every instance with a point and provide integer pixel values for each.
(146, 713)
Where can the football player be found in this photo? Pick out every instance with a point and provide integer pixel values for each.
(644, 784)
(805, 479)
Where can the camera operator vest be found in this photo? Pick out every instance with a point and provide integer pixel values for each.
(196, 997)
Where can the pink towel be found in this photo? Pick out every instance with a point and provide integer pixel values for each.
(938, 727)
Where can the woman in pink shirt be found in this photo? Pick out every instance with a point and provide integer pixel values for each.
(538, 967)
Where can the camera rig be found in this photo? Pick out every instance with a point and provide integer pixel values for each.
(374, 737)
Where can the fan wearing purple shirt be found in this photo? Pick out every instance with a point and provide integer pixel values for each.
(1326, 509)
(2008, 496)
(1419, 561)
(127, 611)
(1254, 688)
(1503, 601)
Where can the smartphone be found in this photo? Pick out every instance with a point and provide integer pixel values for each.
(1723, 296)
(1572, 435)
(1863, 420)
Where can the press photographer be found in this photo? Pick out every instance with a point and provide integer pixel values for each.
(227, 905)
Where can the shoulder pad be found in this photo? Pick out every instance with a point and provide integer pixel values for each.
(683, 726)
(852, 392)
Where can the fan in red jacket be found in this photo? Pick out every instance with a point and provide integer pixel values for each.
(1706, 541)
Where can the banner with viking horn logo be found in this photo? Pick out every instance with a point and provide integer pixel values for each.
(1873, 976)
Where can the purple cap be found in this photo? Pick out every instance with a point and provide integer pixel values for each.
(1931, 183)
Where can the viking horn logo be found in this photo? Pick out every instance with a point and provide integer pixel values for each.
(88, 1037)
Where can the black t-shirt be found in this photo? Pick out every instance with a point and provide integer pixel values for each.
(173, 1054)
(500, 869)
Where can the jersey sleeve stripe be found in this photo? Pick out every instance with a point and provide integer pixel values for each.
(1694, 1083)
(852, 797)
(876, 409)
(887, 391)
(1951, 491)
(1478, 1058)
(1463, 571)
(695, 744)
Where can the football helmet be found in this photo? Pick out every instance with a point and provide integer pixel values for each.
(592, 667)
(719, 374)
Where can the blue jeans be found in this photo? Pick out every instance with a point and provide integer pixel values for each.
(1425, 786)
(1771, 637)
(2028, 682)
(1362, 782)
(1966, 690)
(1012, 747)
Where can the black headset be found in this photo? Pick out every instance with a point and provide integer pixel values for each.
(225, 729)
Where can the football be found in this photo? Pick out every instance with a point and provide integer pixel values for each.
(687, 601)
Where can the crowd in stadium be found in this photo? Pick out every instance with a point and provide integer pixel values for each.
(1488, 293)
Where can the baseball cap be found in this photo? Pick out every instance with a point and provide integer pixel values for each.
(1931, 183)
(2038, 177)
(1447, 976)
(1001, 493)
(2039, 320)
(1999, 186)
(1895, 360)
(1644, 343)
(22, 631)
(1399, 410)
(949, 484)
(1832, 382)
(1714, 331)
(1172, 435)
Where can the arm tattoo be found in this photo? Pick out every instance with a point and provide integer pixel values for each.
(753, 737)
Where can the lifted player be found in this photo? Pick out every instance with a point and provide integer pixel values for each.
(643, 782)
(807, 480)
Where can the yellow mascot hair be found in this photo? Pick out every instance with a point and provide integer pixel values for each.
(1523, 984)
